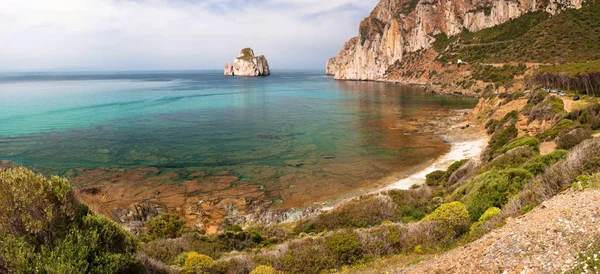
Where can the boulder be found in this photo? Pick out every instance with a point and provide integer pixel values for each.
(246, 64)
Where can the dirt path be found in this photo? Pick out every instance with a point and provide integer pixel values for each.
(568, 103)
(547, 147)
(546, 240)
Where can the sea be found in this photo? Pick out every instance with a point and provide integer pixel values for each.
(298, 135)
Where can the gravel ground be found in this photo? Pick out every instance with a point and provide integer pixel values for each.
(546, 240)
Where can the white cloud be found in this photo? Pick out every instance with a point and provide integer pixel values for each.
(175, 34)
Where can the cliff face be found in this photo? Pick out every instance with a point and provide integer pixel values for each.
(398, 27)
(246, 64)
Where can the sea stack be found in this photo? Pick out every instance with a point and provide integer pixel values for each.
(248, 65)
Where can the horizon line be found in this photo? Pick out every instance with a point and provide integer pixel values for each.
(133, 71)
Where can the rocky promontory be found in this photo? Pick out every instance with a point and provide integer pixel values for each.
(397, 28)
(246, 64)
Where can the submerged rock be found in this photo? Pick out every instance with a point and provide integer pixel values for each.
(246, 64)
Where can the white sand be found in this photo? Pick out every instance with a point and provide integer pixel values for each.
(459, 151)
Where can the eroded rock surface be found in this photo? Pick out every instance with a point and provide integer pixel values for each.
(396, 28)
(246, 64)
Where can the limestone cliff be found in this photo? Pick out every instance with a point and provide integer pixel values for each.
(246, 64)
(396, 28)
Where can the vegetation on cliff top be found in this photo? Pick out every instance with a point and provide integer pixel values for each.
(573, 35)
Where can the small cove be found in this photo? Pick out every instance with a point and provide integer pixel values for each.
(289, 140)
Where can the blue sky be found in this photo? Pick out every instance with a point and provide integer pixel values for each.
(172, 34)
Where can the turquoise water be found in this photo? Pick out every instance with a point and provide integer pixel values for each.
(180, 120)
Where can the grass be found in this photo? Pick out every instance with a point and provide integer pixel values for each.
(573, 36)
(499, 75)
(574, 69)
(246, 54)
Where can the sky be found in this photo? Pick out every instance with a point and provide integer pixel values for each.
(97, 35)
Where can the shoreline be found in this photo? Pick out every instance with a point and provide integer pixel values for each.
(458, 151)
(466, 141)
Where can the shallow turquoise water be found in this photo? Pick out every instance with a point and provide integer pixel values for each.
(199, 119)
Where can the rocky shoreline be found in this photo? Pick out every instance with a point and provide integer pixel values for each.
(466, 138)
(134, 196)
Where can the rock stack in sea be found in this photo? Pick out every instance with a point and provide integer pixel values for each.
(248, 65)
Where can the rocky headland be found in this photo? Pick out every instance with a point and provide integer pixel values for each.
(396, 43)
(246, 64)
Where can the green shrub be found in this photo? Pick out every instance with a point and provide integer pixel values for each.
(476, 230)
(199, 262)
(585, 181)
(97, 246)
(43, 229)
(411, 213)
(595, 123)
(494, 125)
(588, 260)
(440, 177)
(452, 215)
(366, 211)
(33, 206)
(561, 125)
(166, 226)
(215, 246)
(547, 109)
(569, 139)
(499, 75)
(538, 164)
(491, 189)
(234, 228)
(501, 138)
(435, 178)
(180, 260)
(582, 159)
(307, 256)
(537, 97)
(513, 158)
(523, 141)
(454, 167)
(489, 213)
(264, 269)
(344, 247)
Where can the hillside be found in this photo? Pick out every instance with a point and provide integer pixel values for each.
(491, 199)
(538, 37)
(398, 28)
(503, 57)
(548, 239)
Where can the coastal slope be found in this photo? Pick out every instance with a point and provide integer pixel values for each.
(397, 28)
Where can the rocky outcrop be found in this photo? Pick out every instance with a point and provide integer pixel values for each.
(246, 64)
(5, 164)
(140, 212)
(399, 27)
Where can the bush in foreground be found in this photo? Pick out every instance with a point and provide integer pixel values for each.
(264, 269)
(453, 216)
(43, 229)
(569, 139)
(491, 189)
(166, 226)
(199, 262)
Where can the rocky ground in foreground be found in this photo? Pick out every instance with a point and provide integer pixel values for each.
(546, 240)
